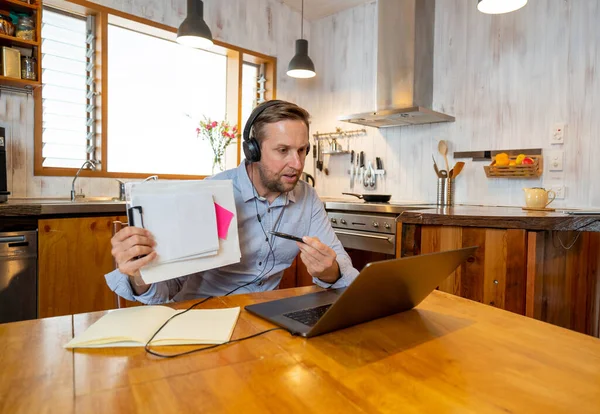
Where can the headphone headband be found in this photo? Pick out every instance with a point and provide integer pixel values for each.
(255, 114)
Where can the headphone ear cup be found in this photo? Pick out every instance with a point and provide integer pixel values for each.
(251, 150)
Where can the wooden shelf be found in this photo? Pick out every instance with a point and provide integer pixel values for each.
(19, 83)
(19, 5)
(15, 41)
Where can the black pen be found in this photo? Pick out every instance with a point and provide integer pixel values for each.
(286, 236)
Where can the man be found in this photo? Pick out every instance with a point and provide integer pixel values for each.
(268, 197)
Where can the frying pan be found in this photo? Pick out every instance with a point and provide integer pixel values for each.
(372, 198)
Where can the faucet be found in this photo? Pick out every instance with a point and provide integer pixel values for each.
(122, 196)
(152, 177)
(86, 163)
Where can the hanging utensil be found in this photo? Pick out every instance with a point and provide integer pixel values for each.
(352, 169)
(443, 149)
(319, 156)
(435, 167)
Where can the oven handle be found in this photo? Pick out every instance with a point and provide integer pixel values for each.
(368, 236)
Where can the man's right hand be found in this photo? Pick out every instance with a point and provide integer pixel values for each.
(128, 244)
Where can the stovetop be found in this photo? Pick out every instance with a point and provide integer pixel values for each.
(393, 207)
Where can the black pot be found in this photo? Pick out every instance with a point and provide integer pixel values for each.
(372, 198)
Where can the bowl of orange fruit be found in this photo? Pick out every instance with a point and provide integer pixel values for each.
(516, 166)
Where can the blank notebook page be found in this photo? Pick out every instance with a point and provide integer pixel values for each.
(183, 224)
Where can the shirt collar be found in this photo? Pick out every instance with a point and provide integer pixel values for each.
(247, 190)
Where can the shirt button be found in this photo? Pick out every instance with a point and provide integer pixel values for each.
(268, 210)
(261, 283)
(260, 263)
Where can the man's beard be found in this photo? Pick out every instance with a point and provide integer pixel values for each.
(275, 185)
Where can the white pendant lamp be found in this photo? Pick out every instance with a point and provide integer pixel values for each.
(301, 66)
(499, 6)
(194, 31)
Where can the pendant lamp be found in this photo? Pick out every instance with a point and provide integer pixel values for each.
(194, 31)
(499, 6)
(301, 66)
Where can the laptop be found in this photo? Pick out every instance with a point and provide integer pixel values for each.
(380, 289)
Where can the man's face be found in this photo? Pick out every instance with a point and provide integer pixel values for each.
(283, 152)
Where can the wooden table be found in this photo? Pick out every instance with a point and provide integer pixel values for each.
(448, 355)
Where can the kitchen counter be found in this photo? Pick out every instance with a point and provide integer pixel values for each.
(501, 217)
(59, 206)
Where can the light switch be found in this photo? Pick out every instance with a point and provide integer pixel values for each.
(557, 135)
(555, 160)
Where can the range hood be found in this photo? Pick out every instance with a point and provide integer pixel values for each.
(405, 42)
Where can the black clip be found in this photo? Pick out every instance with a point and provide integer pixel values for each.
(130, 215)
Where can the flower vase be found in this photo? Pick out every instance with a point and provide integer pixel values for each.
(218, 165)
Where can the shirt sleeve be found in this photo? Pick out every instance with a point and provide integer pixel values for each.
(160, 292)
(321, 228)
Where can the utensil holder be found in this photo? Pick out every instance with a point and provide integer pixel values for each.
(445, 192)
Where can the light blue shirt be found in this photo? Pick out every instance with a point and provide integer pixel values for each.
(299, 212)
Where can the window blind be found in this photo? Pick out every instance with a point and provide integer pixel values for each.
(68, 93)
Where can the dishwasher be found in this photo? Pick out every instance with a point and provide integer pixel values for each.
(18, 276)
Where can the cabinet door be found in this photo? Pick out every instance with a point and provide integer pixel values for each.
(496, 275)
(73, 257)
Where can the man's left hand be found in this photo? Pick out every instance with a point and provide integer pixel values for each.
(319, 259)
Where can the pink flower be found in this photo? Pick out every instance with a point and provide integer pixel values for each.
(214, 124)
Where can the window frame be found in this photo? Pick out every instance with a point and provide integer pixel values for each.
(236, 56)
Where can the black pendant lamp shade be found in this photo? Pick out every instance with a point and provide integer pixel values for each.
(194, 31)
(301, 66)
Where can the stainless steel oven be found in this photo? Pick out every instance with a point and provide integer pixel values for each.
(368, 232)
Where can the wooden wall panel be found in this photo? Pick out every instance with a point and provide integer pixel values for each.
(494, 268)
(74, 255)
(516, 271)
(563, 286)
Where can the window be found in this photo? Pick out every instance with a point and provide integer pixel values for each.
(66, 115)
(159, 91)
(137, 113)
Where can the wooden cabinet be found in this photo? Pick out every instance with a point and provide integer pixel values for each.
(296, 275)
(74, 254)
(547, 275)
(496, 275)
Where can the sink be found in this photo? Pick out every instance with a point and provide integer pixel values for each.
(66, 200)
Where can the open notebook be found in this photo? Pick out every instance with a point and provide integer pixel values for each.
(135, 326)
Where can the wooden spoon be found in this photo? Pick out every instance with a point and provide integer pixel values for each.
(457, 169)
(443, 149)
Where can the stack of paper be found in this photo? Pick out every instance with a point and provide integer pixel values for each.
(194, 224)
(135, 326)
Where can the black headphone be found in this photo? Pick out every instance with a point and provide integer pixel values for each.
(251, 146)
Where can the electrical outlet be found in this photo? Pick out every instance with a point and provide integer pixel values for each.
(555, 160)
(557, 135)
(559, 190)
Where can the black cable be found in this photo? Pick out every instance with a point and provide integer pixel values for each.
(158, 354)
(258, 277)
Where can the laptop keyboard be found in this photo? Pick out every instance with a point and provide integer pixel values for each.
(308, 316)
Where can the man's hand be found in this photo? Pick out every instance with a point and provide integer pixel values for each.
(319, 259)
(127, 245)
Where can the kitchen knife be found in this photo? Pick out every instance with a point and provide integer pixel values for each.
(378, 163)
(352, 169)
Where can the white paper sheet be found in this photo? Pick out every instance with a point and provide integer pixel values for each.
(194, 234)
(228, 249)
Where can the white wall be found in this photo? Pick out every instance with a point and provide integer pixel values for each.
(506, 78)
(265, 26)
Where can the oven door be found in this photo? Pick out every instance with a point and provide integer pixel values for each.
(367, 241)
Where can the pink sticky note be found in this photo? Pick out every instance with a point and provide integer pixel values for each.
(224, 217)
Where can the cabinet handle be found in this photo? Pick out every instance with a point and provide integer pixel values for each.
(12, 239)
(368, 236)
